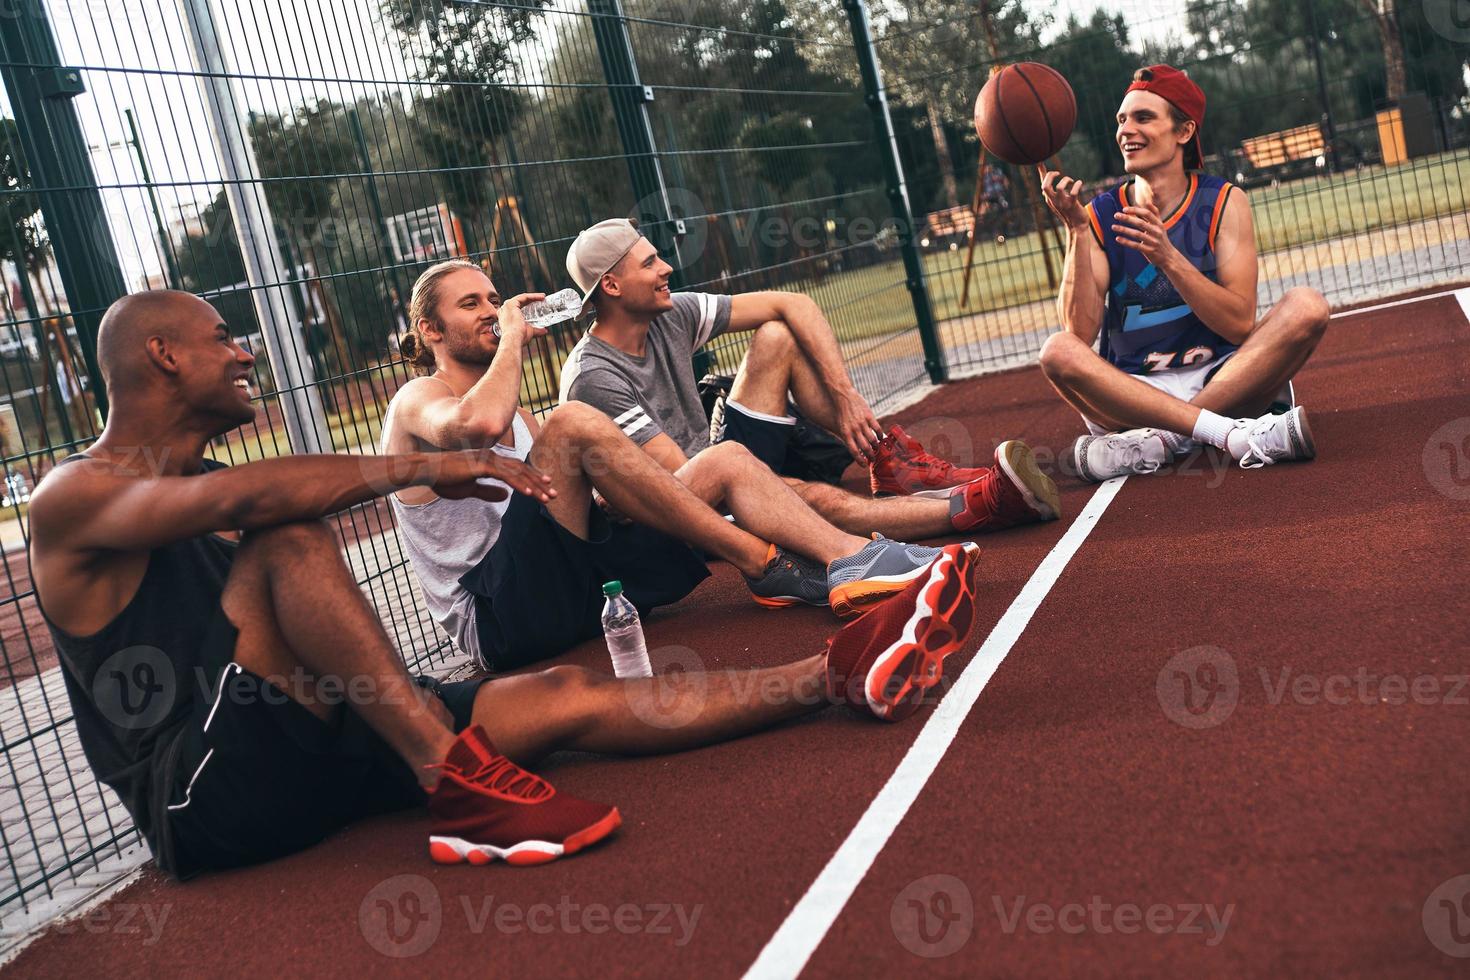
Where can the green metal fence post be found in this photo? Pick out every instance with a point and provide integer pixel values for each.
(898, 192)
(41, 90)
(630, 101)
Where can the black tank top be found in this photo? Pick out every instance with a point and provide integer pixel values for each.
(134, 683)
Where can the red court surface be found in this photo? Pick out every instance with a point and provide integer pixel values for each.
(1296, 805)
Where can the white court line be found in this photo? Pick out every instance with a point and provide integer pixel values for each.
(798, 937)
(1458, 293)
(1463, 297)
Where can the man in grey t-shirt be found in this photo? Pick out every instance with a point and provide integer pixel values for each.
(635, 364)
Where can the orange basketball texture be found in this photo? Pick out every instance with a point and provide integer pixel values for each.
(1025, 113)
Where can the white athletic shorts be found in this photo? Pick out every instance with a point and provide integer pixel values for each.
(1186, 382)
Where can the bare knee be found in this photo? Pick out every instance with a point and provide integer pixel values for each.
(1307, 314)
(772, 342)
(294, 538)
(1063, 355)
(577, 422)
(729, 459)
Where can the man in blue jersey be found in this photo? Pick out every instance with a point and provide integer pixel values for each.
(1164, 267)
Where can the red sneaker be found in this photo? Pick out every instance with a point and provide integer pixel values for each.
(1014, 492)
(883, 661)
(487, 807)
(902, 467)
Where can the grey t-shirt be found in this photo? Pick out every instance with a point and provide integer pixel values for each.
(658, 391)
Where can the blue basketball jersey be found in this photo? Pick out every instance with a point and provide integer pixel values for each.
(1147, 325)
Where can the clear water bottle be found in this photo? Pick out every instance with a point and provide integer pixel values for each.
(624, 633)
(547, 313)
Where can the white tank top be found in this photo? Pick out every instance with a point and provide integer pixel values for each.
(446, 538)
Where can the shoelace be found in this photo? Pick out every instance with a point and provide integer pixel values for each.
(1132, 452)
(921, 458)
(505, 777)
(1255, 453)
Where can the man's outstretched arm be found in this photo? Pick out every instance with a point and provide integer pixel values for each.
(100, 505)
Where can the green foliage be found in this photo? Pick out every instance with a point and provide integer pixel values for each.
(22, 239)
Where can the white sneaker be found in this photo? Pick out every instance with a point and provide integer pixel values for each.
(1100, 458)
(1273, 438)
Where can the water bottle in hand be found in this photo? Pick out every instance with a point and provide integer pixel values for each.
(547, 313)
(554, 309)
(624, 634)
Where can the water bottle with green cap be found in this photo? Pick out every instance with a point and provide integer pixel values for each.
(624, 633)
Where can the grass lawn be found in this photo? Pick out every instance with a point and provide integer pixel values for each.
(872, 301)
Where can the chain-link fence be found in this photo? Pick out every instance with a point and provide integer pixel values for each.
(1296, 115)
(298, 163)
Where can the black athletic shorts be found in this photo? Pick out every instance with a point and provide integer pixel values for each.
(538, 591)
(765, 436)
(255, 775)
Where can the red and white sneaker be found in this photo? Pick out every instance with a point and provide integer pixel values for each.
(487, 807)
(1014, 492)
(883, 661)
(902, 467)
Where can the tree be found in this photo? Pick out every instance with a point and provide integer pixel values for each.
(301, 156)
(1097, 61)
(1385, 18)
(24, 239)
(465, 50)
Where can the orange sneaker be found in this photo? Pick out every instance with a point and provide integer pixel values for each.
(884, 661)
(487, 807)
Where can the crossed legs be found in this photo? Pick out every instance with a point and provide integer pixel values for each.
(302, 619)
(1275, 351)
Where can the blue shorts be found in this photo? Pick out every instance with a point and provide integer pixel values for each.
(766, 436)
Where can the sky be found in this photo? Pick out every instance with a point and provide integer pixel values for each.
(136, 54)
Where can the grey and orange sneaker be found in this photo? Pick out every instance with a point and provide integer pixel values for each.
(789, 579)
(877, 571)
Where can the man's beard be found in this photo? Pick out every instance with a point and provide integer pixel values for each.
(467, 350)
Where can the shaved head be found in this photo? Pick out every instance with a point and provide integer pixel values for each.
(122, 337)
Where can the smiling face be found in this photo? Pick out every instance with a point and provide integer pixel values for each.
(639, 283)
(213, 370)
(462, 328)
(1147, 134)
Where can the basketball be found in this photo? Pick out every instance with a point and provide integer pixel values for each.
(1025, 113)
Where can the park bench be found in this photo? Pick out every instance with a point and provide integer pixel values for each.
(1275, 155)
(951, 224)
